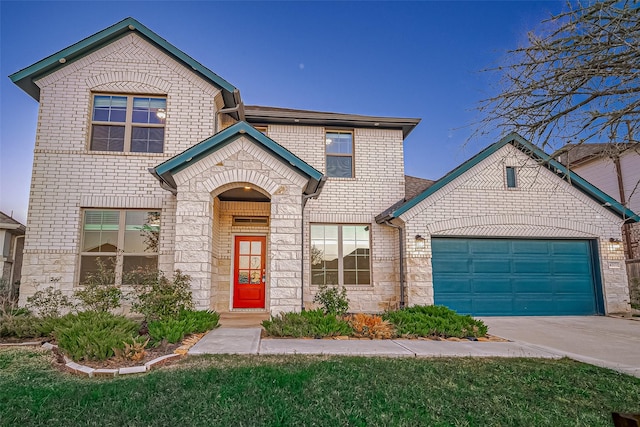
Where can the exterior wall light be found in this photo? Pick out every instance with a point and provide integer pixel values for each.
(616, 244)
(420, 242)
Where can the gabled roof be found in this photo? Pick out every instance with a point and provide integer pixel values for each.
(257, 114)
(532, 151)
(8, 223)
(575, 154)
(164, 172)
(25, 78)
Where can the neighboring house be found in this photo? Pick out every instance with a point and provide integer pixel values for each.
(614, 169)
(11, 244)
(144, 157)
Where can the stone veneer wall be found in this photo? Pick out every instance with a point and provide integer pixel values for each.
(68, 177)
(477, 203)
(241, 162)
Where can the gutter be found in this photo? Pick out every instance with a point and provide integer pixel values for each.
(306, 197)
(163, 182)
(401, 256)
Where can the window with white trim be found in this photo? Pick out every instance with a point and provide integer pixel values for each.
(128, 123)
(339, 154)
(340, 254)
(122, 240)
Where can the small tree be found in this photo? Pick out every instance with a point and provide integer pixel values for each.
(100, 292)
(156, 297)
(333, 299)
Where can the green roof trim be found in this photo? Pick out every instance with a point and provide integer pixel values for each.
(533, 151)
(25, 78)
(165, 171)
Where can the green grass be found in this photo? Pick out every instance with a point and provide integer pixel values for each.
(323, 391)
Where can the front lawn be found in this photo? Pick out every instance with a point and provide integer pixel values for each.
(327, 391)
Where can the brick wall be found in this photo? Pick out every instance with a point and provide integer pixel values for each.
(477, 203)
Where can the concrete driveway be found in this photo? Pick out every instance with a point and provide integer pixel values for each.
(608, 342)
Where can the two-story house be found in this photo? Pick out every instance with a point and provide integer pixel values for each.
(146, 158)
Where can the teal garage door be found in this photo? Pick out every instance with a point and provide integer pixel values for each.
(516, 277)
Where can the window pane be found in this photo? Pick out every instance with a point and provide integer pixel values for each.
(89, 265)
(147, 140)
(139, 263)
(324, 254)
(107, 138)
(339, 166)
(364, 277)
(339, 143)
(149, 110)
(100, 232)
(350, 277)
(109, 108)
(511, 177)
(355, 241)
(142, 230)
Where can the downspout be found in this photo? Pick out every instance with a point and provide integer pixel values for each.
(401, 256)
(306, 197)
(625, 227)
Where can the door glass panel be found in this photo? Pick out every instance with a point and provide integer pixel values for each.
(243, 277)
(256, 248)
(244, 248)
(244, 262)
(255, 277)
(255, 262)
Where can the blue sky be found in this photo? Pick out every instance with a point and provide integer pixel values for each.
(399, 59)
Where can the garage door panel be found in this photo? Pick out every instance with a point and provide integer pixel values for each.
(532, 266)
(488, 247)
(491, 286)
(490, 266)
(514, 276)
(572, 266)
(532, 285)
(460, 265)
(524, 247)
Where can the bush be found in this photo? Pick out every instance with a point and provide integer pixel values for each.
(370, 326)
(92, 335)
(188, 322)
(158, 298)
(49, 302)
(434, 321)
(310, 323)
(100, 292)
(332, 299)
(24, 325)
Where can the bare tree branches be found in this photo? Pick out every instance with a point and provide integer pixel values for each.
(579, 81)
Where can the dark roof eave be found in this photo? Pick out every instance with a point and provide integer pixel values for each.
(519, 142)
(164, 171)
(268, 115)
(25, 78)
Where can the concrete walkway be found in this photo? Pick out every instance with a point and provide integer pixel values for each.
(602, 341)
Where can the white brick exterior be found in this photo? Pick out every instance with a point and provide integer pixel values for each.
(478, 204)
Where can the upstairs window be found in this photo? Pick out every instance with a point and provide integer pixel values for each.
(128, 123)
(339, 150)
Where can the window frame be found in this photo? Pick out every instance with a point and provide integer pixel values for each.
(511, 177)
(352, 155)
(128, 124)
(120, 253)
(341, 254)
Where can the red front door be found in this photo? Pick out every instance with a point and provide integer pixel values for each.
(249, 271)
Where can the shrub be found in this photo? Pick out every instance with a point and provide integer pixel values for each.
(133, 350)
(436, 321)
(100, 292)
(92, 335)
(310, 323)
(370, 326)
(24, 325)
(332, 299)
(157, 297)
(188, 322)
(49, 302)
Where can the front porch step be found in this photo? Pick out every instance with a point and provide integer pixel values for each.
(243, 319)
